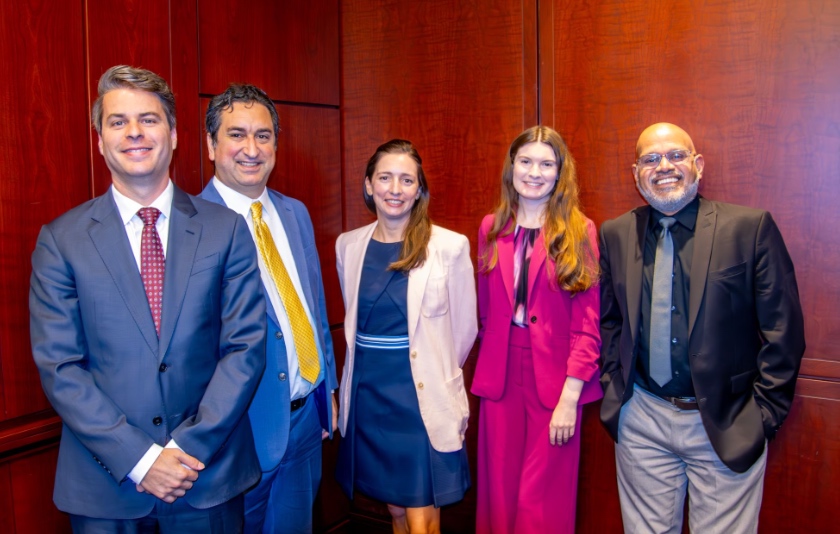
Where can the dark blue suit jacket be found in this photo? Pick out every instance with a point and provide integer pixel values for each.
(269, 410)
(117, 387)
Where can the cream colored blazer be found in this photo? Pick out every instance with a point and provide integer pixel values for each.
(442, 327)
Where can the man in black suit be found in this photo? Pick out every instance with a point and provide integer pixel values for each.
(702, 337)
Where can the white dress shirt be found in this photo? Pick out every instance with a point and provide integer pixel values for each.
(241, 204)
(134, 230)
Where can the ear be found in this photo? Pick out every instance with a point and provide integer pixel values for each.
(635, 171)
(173, 135)
(211, 147)
(368, 186)
(100, 144)
(699, 162)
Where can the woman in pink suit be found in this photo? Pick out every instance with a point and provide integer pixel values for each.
(538, 363)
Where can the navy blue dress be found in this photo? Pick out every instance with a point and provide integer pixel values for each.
(386, 453)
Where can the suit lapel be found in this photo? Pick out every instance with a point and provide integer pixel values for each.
(354, 256)
(184, 235)
(704, 234)
(110, 240)
(635, 263)
(538, 259)
(292, 230)
(505, 262)
(417, 279)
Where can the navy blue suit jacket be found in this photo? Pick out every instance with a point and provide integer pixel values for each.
(118, 387)
(269, 411)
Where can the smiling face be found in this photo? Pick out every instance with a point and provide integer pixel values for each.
(394, 187)
(667, 187)
(535, 172)
(136, 140)
(245, 148)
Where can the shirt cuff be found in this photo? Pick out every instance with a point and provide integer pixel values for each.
(142, 467)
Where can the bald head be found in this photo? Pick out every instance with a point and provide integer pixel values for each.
(663, 132)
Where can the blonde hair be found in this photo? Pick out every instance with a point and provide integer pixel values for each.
(564, 229)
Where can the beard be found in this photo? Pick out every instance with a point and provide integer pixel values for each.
(673, 201)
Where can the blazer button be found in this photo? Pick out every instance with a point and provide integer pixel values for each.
(157, 421)
(414, 354)
(279, 335)
(163, 367)
(420, 385)
(533, 318)
(282, 376)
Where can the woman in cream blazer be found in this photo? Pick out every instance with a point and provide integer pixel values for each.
(410, 324)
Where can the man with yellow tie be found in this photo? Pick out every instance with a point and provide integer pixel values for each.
(293, 409)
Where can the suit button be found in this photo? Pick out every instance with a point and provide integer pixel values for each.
(279, 335)
(157, 421)
(163, 367)
(414, 354)
(420, 385)
(282, 376)
(533, 318)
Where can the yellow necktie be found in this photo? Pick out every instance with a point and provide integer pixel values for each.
(304, 337)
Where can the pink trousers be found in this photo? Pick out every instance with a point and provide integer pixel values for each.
(525, 484)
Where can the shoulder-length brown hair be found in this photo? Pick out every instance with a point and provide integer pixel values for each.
(564, 229)
(419, 228)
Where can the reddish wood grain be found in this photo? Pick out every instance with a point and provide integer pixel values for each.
(452, 83)
(183, 78)
(133, 32)
(290, 49)
(7, 501)
(33, 479)
(307, 169)
(44, 158)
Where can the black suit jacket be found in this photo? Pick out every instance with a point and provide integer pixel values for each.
(746, 334)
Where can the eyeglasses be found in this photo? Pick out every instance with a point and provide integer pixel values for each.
(652, 160)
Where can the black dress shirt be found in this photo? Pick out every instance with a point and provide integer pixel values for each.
(682, 233)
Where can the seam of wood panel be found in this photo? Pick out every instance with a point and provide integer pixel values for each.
(88, 92)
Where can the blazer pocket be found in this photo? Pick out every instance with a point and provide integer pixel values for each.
(743, 381)
(435, 298)
(205, 263)
(735, 270)
(458, 399)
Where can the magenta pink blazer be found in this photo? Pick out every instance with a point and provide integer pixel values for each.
(565, 338)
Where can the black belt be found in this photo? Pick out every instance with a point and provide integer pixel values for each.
(297, 404)
(683, 403)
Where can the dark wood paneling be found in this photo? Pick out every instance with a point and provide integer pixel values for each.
(449, 76)
(44, 159)
(598, 510)
(803, 466)
(33, 478)
(308, 169)
(289, 49)
(7, 501)
(131, 32)
(183, 78)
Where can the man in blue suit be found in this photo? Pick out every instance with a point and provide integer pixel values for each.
(147, 322)
(294, 408)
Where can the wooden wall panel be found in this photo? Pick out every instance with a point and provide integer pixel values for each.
(289, 49)
(308, 169)
(450, 78)
(33, 478)
(44, 159)
(756, 84)
(134, 32)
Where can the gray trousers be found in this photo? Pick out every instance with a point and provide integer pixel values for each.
(662, 451)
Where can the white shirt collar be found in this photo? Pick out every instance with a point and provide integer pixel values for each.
(128, 208)
(238, 202)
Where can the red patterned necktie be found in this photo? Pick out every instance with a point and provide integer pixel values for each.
(152, 262)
